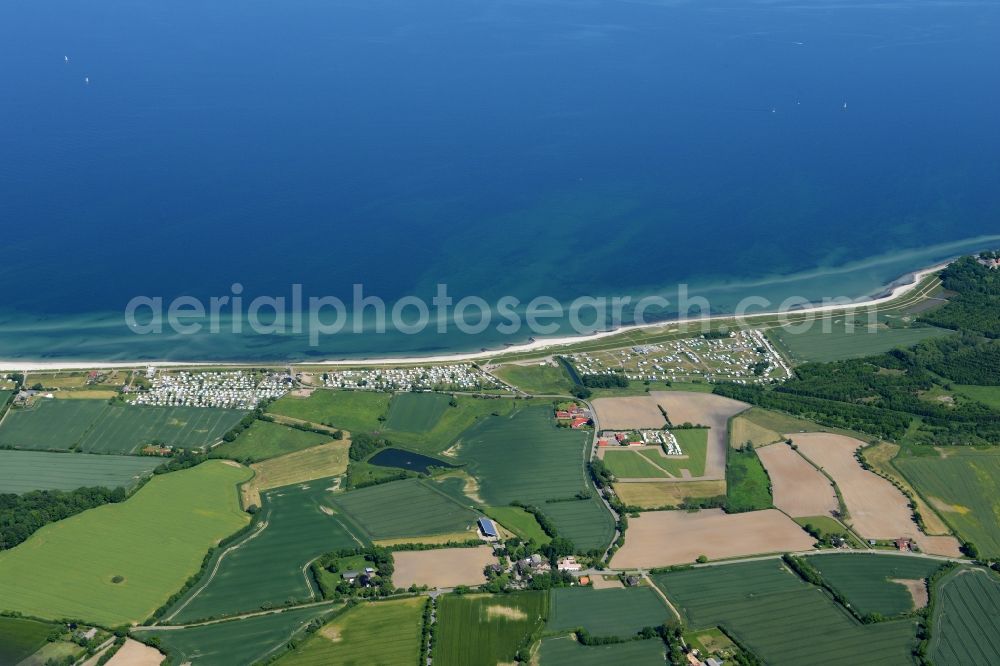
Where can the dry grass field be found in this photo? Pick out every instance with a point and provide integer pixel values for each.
(134, 653)
(628, 413)
(798, 488)
(744, 430)
(443, 567)
(878, 510)
(664, 538)
(318, 462)
(653, 495)
(706, 409)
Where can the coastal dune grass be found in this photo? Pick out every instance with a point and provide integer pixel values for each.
(151, 544)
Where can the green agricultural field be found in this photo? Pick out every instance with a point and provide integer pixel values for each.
(748, 488)
(621, 612)
(154, 541)
(964, 487)
(263, 440)
(356, 411)
(23, 471)
(838, 343)
(453, 423)
(404, 509)
(299, 527)
(248, 641)
(631, 464)
(988, 395)
(485, 630)
(416, 412)
(866, 580)
(127, 428)
(20, 638)
(55, 425)
(537, 379)
(386, 632)
(518, 521)
(966, 624)
(567, 652)
(782, 619)
(526, 458)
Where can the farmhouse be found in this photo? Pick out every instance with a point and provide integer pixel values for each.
(568, 563)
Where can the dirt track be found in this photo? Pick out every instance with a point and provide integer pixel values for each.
(799, 489)
(878, 510)
(664, 538)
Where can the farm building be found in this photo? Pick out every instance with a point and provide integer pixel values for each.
(487, 528)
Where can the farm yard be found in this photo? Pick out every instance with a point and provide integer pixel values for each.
(245, 641)
(485, 630)
(97, 565)
(499, 450)
(870, 581)
(407, 509)
(23, 471)
(653, 541)
(385, 632)
(94, 426)
(799, 489)
(263, 440)
(781, 618)
(657, 495)
(442, 567)
(269, 566)
(878, 510)
(621, 612)
(963, 485)
(566, 651)
(966, 622)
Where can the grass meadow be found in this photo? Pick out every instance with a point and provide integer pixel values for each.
(620, 612)
(964, 487)
(629, 464)
(21, 637)
(838, 343)
(966, 624)
(694, 444)
(385, 632)
(356, 411)
(23, 471)
(864, 579)
(263, 440)
(268, 568)
(403, 509)
(748, 488)
(988, 395)
(526, 458)
(247, 641)
(782, 619)
(485, 630)
(416, 412)
(565, 651)
(537, 379)
(154, 542)
(518, 521)
(452, 424)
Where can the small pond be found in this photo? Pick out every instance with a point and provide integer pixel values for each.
(406, 460)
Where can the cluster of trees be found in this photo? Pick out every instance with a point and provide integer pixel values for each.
(976, 308)
(613, 380)
(335, 587)
(22, 515)
(365, 444)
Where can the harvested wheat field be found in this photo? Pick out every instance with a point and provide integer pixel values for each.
(658, 494)
(664, 538)
(444, 567)
(799, 489)
(878, 510)
(709, 410)
(317, 462)
(628, 413)
(134, 653)
(744, 430)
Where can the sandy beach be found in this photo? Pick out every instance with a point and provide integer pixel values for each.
(896, 289)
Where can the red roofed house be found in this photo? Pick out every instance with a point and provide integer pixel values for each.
(562, 414)
(602, 442)
(579, 423)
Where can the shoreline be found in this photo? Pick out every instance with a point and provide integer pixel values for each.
(895, 289)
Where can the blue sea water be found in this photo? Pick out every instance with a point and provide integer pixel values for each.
(503, 147)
